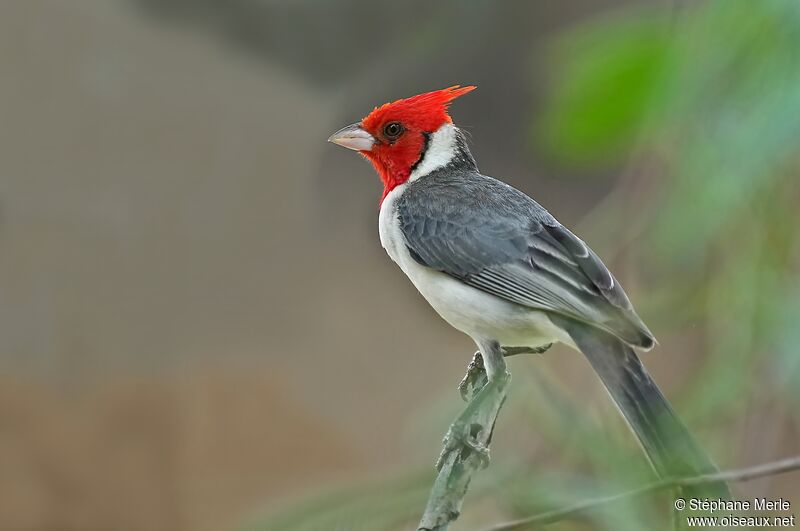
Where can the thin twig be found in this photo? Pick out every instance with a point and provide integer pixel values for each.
(743, 474)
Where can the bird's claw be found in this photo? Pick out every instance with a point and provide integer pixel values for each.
(460, 437)
(475, 378)
(470, 382)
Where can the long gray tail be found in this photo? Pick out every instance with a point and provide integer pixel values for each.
(667, 442)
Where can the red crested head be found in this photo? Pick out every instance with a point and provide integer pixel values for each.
(393, 136)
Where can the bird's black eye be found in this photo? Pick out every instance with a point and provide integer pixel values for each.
(392, 130)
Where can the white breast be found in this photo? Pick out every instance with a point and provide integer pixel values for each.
(476, 313)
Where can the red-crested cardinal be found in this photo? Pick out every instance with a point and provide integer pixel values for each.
(500, 268)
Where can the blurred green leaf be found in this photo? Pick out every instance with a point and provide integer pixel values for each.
(605, 77)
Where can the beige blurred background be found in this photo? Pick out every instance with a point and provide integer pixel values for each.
(197, 322)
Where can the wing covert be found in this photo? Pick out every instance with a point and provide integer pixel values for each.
(495, 238)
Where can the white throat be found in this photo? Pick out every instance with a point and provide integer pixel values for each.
(441, 150)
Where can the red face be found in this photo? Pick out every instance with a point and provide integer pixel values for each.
(393, 136)
(399, 143)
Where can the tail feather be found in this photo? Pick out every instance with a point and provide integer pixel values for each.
(666, 441)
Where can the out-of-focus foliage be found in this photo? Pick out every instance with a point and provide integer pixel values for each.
(722, 129)
(703, 104)
(606, 80)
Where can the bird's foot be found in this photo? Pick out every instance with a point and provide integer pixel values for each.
(463, 437)
(474, 379)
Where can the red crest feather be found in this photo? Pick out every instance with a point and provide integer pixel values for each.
(426, 111)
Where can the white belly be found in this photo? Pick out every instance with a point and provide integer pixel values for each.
(478, 314)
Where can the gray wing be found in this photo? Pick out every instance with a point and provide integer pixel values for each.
(495, 238)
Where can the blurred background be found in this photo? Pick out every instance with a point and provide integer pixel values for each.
(199, 329)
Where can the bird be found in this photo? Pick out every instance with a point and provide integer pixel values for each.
(497, 266)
